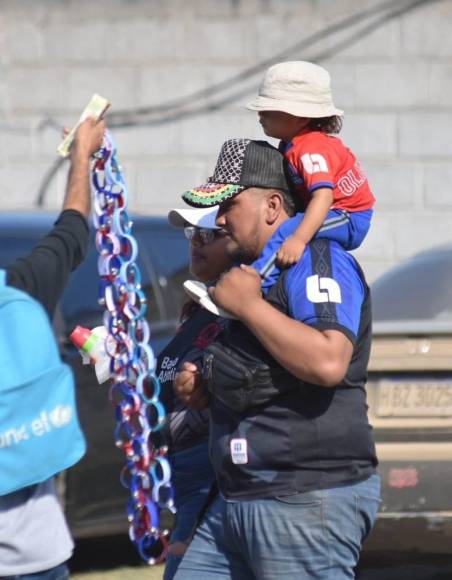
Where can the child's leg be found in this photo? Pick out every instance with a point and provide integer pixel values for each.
(335, 227)
(265, 264)
(347, 228)
(359, 226)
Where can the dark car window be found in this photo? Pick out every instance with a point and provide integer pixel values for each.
(418, 289)
(162, 259)
(169, 255)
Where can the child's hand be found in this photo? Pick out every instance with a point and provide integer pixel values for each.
(290, 252)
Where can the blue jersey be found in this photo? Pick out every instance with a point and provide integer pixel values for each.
(310, 437)
(325, 289)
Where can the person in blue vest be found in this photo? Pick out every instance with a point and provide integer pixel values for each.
(290, 442)
(35, 541)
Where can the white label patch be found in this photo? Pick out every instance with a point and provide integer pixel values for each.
(314, 163)
(239, 451)
(323, 290)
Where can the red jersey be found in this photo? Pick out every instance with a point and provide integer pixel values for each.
(318, 160)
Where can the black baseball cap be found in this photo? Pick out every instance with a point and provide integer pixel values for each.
(242, 163)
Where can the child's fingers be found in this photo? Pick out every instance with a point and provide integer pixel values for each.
(283, 260)
(280, 258)
(286, 259)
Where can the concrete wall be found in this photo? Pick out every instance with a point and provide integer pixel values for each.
(392, 73)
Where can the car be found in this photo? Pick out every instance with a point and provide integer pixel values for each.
(410, 402)
(94, 499)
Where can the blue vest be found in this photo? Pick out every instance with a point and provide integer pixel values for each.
(39, 430)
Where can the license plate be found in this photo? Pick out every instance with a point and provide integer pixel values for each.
(414, 398)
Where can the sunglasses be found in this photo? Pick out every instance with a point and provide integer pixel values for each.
(206, 235)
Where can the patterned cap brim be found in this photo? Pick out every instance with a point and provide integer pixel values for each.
(211, 194)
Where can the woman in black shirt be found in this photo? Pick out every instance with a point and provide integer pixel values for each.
(188, 430)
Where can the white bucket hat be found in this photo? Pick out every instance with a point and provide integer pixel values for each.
(300, 88)
(200, 217)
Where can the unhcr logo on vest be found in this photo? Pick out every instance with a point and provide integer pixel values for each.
(45, 422)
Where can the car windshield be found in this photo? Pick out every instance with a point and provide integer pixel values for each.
(418, 289)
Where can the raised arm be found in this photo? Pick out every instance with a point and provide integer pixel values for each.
(88, 140)
(44, 272)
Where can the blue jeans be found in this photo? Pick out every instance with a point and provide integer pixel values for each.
(60, 572)
(348, 229)
(315, 535)
(192, 476)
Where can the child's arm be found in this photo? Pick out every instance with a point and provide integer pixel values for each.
(314, 216)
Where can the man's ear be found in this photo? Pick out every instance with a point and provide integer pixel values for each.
(274, 206)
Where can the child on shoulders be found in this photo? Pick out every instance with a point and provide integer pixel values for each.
(295, 105)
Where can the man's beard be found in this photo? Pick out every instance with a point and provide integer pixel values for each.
(244, 254)
(241, 256)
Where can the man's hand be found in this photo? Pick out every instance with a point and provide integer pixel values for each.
(237, 290)
(88, 138)
(188, 387)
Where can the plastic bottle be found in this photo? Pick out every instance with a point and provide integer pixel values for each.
(91, 345)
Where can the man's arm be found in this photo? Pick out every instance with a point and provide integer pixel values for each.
(316, 356)
(44, 273)
(87, 141)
